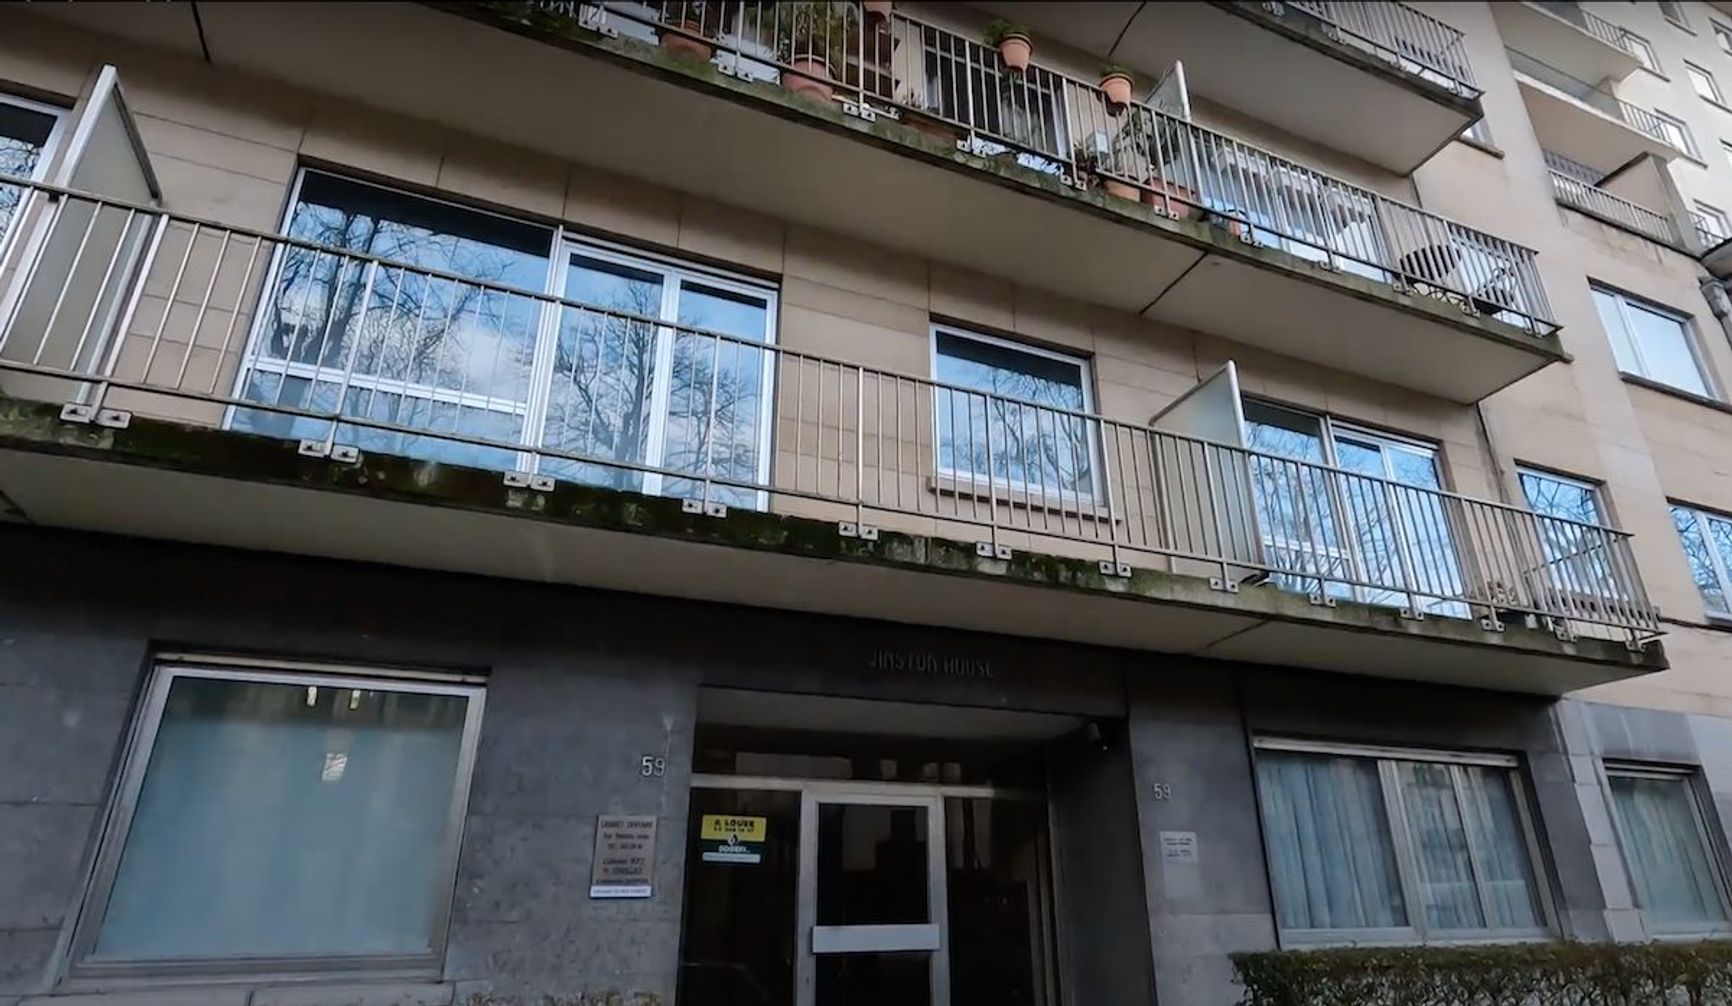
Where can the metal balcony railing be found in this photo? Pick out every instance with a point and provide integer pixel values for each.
(1708, 233)
(1575, 185)
(1593, 96)
(121, 309)
(959, 89)
(1396, 33)
(1586, 20)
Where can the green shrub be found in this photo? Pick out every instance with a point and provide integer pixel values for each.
(1534, 974)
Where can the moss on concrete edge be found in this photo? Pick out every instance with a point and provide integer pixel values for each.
(201, 450)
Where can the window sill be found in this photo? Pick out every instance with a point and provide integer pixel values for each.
(1666, 389)
(980, 492)
(1721, 105)
(1319, 940)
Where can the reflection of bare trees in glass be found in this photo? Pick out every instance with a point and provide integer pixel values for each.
(603, 379)
(996, 435)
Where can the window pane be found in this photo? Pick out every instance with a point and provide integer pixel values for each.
(1440, 847)
(1295, 506)
(1030, 437)
(1664, 346)
(715, 419)
(1690, 535)
(1612, 318)
(1703, 83)
(1500, 839)
(24, 134)
(1664, 850)
(872, 865)
(288, 820)
(1330, 853)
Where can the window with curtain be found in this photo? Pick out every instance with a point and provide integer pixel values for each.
(1666, 849)
(1651, 342)
(1367, 847)
(1707, 541)
(283, 816)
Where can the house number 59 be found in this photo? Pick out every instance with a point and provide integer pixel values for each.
(653, 766)
(1162, 790)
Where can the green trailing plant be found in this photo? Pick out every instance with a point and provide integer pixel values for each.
(815, 29)
(1000, 29)
(1528, 974)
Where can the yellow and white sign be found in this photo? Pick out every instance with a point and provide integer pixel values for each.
(732, 838)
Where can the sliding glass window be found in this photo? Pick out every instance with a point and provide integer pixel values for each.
(1667, 849)
(1369, 846)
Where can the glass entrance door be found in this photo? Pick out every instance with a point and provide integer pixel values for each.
(872, 901)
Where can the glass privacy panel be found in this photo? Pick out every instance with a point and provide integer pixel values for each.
(995, 857)
(1665, 852)
(288, 820)
(343, 321)
(1015, 423)
(872, 865)
(1440, 850)
(1330, 853)
(894, 979)
(604, 374)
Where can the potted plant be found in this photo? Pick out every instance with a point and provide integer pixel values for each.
(1116, 82)
(1014, 46)
(685, 35)
(814, 43)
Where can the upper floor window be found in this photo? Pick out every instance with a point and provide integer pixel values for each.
(1371, 845)
(1009, 414)
(1651, 342)
(1639, 47)
(283, 816)
(1674, 12)
(1712, 223)
(456, 330)
(27, 133)
(1706, 87)
(1665, 839)
(1723, 36)
(1577, 548)
(1677, 133)
(1707, 541)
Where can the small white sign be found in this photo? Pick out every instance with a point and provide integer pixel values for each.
(624, 865)
(1179, 847)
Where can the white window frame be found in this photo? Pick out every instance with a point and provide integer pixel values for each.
(1684, 140)
(1008, 489)
(1401, 840)
(1716, 564)
(1684, 322)
(1722, 35)
(1599, 590)
(1711, 846)
(1701, 78)
(1726, 150)
(123, 805)
(1716, 219)
(1673, 11)
(50, 150)
(563, 244)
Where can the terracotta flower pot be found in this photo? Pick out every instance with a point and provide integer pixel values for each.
(809, 77)
(1118, 88)
(877, 10)
(1182, 201)
(1015, 49)
(1124, 190)
(685, 43)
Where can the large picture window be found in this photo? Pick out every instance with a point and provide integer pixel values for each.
(439, 325)
(268, 815)
(1666, 846)
(1387, 846)
(1013, 418)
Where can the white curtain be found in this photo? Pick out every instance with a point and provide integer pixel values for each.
(1330, 853)
(275, 819)
(1506, 867)
(1664, 851)
(1440, 847)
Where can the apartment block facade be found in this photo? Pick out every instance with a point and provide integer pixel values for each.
(838, 503)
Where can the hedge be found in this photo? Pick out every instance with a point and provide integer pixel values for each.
(1536, 974)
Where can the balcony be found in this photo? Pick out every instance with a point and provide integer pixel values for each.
(161, 350)
(1583, 189)
(1404, 74)
(1587, 123)
(927, 145)
(1569, 37)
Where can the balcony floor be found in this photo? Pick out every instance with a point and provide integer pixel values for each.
(194, 484)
